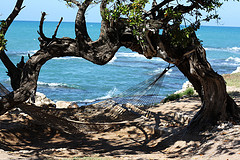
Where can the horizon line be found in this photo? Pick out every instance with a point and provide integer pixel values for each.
(100, 23)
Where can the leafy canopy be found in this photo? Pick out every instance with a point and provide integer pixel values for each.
(179, 18)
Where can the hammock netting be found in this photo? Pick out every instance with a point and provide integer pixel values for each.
(3, 90)
(145, 93)
(128, 108)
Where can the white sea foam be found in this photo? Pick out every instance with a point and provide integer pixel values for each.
(228, 49)
(109, 94)
(234, 49)
(137, 55)
(66, 58)
(52, 84)
(216, 49)
(233, 64)
(133, 55)
(113, 59)
(159, 70)
(235, 59)
(32, 51)
(157, 59)
(87, 101)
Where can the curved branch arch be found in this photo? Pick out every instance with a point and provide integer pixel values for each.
(99, 52)
(102, 50)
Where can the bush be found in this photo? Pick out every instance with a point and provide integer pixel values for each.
(188, 92)
(172, 97)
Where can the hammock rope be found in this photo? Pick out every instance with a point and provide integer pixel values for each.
(127, 108)
(145, 93)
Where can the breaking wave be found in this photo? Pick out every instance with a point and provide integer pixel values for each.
(132, 55)
(58, 85)
(109, 94)
(234, 59)
(66, 58)
(159, 70)
(228, 49)
(113, 59)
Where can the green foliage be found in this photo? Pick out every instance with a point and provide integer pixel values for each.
(131, 10)
(181, 28)
(70, 4)
(189, 92)
(172, 97)
(181, 37)
(3, 41)
(169, 12)
(180, 19)
(173, 17)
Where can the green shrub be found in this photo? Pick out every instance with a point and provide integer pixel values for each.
(188, 92)
(172, 97)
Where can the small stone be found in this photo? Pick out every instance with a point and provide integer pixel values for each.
(63, 104)
(73, 105)
(41, 100)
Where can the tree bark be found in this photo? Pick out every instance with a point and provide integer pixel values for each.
(13, 71)
(217, 105)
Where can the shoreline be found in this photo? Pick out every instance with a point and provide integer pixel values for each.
(22, 139)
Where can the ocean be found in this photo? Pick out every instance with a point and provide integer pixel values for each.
(78, 80)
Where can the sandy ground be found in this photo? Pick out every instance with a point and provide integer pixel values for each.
(22, 138)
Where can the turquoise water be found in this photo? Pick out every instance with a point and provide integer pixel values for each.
(75, 79)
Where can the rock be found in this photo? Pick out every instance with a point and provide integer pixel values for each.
(41, 100)
(64, 104)
(185, 86)
(236, 71)
(73, 105)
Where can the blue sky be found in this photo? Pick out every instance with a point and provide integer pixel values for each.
(230, 12)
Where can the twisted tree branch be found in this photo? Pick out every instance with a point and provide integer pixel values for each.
(156, 8)
(13, 71)
(102, 50)
(80, 23)
(18, 7)
(55, 33)
(40, 32)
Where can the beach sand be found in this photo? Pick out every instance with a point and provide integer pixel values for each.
(23, 139)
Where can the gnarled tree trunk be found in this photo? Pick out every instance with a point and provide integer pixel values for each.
(217, 105)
